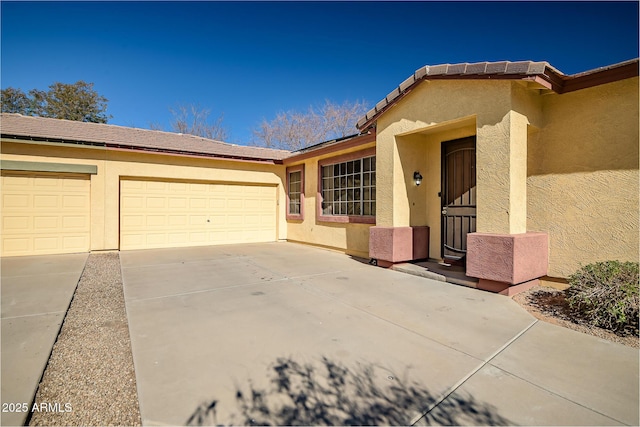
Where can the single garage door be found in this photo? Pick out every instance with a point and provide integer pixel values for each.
(163, 214)
(45, 213)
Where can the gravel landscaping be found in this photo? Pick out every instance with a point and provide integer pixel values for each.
(549, 305)
(90, 372)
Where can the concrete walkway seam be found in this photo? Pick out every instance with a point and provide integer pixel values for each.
(48, 274)
(250, 261)
(177, 262)
(464, 379)
(202, 291)
(34, 315)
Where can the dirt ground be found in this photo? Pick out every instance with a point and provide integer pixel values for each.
(549, 305)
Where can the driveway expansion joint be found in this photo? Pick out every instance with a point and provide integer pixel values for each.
(201, 291)
(459, 384)
(35, 314)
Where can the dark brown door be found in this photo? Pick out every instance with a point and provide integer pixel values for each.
(458, 195)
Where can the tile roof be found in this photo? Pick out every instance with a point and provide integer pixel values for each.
(97, 134)
(541, 72)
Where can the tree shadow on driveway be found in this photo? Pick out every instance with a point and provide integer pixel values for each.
(332, 394)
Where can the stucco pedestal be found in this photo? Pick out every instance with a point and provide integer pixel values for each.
(390, 245)
(507, 263)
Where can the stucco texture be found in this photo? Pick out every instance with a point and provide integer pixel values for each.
(409, 138)
(583, 176)
(565, 165)
(352, 238)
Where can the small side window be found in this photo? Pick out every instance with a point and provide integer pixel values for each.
(295, 192)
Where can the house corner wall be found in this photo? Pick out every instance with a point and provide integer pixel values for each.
(582, 176)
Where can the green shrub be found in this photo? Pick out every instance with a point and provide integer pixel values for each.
(605, 294)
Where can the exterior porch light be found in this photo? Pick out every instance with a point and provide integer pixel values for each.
(417, 178)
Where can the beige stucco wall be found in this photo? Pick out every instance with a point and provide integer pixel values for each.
(112, 165)
(352, 238)
(431, 104)
(564, 164)
(438, 111)
(582, 178)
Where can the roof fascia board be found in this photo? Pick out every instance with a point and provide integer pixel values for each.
(140, 150)
(340, 146)
(583, 81)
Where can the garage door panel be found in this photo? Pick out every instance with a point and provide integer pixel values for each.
(198, 203)
(75, 223)
(131, 185)
(45, 213)
(155, 202)
(46, 243)
(131, 221)
(131, 202)
(10, 201)
(200, 237)
(178, 238)
(45, 223)
(15, 223)
(132, 240)
(71, 242)
(178, 186)
(195, 214)
(178, 220)
(46, 182)
(156, 239)
(177, 202)
(74, 201)
(16, 245)
(157, 186)
(217, 237)
(41, 201)
(252, 221)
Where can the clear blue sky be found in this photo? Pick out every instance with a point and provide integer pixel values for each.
(250, 60)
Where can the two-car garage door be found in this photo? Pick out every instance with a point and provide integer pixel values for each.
(50, 213)
(160, 214)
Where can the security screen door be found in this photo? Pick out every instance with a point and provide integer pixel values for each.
(458, 195)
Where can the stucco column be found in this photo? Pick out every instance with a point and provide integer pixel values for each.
(501, 158)
(393, 239)
(501, 252)
(385, 162)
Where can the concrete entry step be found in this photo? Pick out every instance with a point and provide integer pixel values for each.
(435, 271)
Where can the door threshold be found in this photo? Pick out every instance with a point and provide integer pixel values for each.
(452, 273)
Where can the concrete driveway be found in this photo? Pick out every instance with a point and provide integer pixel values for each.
(36, 293)
(283, 333)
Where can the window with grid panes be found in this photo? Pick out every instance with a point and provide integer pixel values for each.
(349, 188)
(295, 189)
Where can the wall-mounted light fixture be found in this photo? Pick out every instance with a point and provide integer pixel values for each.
(417, 178)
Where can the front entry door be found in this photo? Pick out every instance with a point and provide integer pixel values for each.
(458, 196)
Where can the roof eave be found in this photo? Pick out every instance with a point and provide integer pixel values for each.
(543, 74)
(148, 150)
(376, 112)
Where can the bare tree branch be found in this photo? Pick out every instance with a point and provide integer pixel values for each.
(193, 120)
(293, 130)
